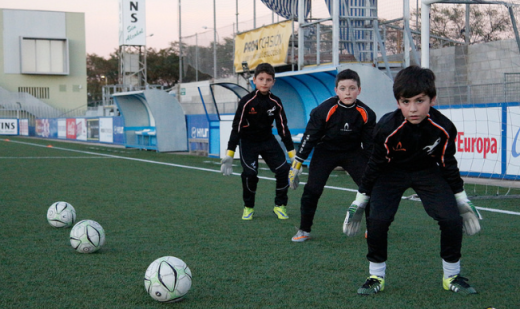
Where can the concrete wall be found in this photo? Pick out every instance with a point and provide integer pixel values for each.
(476, 64)
(65, 91)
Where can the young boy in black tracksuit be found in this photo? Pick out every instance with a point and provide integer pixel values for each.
(252, 130)
(414, 147)
(340, 132)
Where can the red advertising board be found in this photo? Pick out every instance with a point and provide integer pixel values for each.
(71, 128)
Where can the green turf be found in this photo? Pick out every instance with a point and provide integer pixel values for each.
(151, 210)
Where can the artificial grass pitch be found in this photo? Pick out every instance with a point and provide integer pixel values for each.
(157, 204)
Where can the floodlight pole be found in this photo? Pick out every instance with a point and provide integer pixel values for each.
(214, 40)
(180, 52)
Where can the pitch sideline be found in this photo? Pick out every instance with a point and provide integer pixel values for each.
(218, 171)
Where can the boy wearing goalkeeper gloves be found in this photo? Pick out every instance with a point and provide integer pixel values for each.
(414, 147)
(252, 130)
(340, 132)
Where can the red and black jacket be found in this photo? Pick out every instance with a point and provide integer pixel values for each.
(337, 127)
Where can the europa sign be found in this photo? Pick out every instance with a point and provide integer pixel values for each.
(132, 22)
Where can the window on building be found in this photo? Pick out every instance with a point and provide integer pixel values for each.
(44, 56)
(37, 92)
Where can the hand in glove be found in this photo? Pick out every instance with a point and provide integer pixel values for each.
(469, 213)
(292, 155)
(355, 214)
(227, 163)
(294, 174)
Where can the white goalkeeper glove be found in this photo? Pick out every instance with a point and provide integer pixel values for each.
(355, 214)
(294, 174)
(227, 163)
(469, 213)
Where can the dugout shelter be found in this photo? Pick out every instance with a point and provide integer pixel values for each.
(153, 120)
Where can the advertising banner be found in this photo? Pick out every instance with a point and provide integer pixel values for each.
(62, 128)
(119, 130)
(513, 141)
(81, 129)
(132, 23)
(93, 129)
(46, 128)
(8, 126)
(479, 138)
(23, 127)
(266, 44)
(71, 128)
(106, 130)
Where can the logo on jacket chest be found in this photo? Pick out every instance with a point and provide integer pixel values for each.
(346, 128)
(431, 148)
(270, 112)
(252, 111)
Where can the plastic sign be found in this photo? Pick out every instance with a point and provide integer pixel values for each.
(132, 23)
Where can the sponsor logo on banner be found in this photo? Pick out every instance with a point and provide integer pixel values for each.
(132, 22)
(266, 44)
(9, 126)
(81, 129)
(477, 144)
(199, 132)
(42, 127)
(515, 151)
(71, 128)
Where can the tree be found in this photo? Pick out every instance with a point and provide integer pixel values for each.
(96, 68)
(162, 66)
(487, 22)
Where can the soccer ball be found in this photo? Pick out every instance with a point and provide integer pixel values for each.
(61, 214)
(167, 279)
(87, 236)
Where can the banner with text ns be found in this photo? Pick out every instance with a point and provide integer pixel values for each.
(266, 44)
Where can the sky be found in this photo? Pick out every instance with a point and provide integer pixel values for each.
(102, 18)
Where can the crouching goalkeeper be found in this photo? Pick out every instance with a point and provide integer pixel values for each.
(414, 147)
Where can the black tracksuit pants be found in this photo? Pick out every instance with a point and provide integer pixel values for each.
(323, 162)
(437, 198)
(274, 157)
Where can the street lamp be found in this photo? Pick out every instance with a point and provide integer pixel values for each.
(105, 78)
(145, 77)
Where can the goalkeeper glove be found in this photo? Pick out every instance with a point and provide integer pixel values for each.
(292, 155)
(294, 174)
(227, 163)
(469, 213)
(355, 214)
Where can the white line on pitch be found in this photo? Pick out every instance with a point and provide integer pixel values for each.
(218, 171)
(53, 158)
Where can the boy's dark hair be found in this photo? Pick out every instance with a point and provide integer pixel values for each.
(264, 68)
(348, 74)
(414, 80)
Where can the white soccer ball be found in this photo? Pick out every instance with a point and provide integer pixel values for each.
(167, 279)
(87, 236)
(61, 214)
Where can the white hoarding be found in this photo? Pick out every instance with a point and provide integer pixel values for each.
(62, 128)
(81, 129)
(8, 126)
(513, 141)
(23, 127)
(479, 138)
(132, 23)
(106, 134)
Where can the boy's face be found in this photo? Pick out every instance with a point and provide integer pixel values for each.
(263, 82)
(417, 108)
(347, 91)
